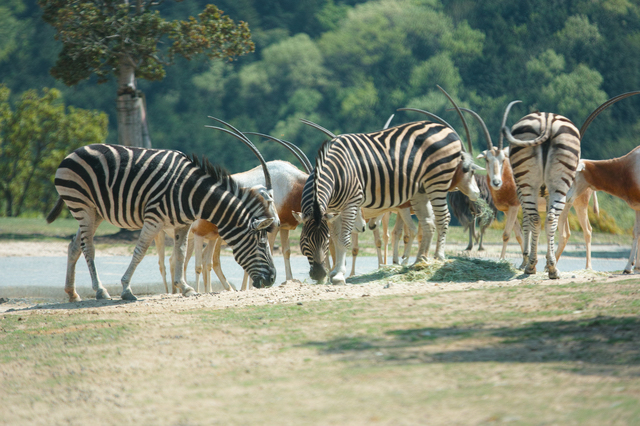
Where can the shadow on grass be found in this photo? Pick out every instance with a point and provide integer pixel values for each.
(600, 344)
(455, 268)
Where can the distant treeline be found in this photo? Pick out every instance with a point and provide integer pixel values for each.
(348, 65)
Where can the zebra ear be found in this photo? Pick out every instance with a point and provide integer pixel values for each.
(299, 216)
(259, 224)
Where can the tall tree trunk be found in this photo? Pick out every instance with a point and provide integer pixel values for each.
(132, 122)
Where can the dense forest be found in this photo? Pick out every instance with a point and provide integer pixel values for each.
(349, 64)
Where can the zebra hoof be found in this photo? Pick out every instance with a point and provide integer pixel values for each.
(127, 295)
(75, 298)
(530, 270)
(102, 294)
(626, 272)
(554, 275)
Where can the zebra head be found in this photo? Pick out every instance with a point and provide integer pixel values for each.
(244, 219)
(314, 237)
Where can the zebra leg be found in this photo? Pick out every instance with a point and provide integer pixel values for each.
(73, 254)
(182, 233)
(424, 210)
(442, 217)
(343, 225)
(89, 251)
(550, 227)
(355, 250)
(534, 225)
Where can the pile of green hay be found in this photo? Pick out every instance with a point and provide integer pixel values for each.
(453, 269)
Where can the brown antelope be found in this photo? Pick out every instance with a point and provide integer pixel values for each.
(617, 176)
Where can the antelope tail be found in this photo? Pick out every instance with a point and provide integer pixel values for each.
(596, 207)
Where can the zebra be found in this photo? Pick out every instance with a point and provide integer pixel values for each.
(544, 153)
(152, 189)
(417, 162)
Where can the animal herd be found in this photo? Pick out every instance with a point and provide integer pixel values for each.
(419, 168)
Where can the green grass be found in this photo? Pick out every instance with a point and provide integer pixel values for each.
(38, 229)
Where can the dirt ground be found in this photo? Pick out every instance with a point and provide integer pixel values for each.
(380, 352)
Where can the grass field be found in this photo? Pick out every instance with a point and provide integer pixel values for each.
(520, 354)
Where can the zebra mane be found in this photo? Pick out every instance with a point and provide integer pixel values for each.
(215, 171)
(320, 159)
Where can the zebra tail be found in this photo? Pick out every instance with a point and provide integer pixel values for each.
(55, 212)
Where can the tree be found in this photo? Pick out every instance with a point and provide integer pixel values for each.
(109, 38)
(34, 138)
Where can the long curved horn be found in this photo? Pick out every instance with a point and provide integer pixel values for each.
(386, 125)
(601, 108)
(295, 150)
(504, 121)
(487, 135)
(237, 134)
(318, 127)
(464, 122)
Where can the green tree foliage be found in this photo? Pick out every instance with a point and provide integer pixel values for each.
(35, 135)
(349, 64)
(118, 38)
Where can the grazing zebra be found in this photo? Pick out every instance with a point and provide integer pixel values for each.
(417, 162)
(152, 189)
(467, 212)
(544, 153)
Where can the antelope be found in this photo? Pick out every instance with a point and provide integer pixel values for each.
(618, 176)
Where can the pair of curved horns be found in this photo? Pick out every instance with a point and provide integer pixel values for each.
(464, 122)
(295, 150)
(239, 135)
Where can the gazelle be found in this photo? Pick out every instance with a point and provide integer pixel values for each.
(617, 176)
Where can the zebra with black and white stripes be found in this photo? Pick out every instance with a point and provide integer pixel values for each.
(417, 162)
(153, 189)
(544, 153)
